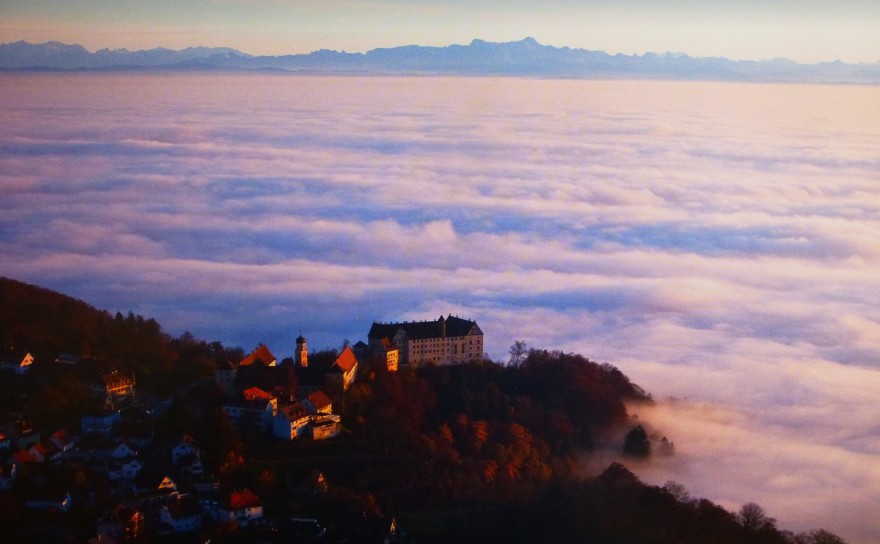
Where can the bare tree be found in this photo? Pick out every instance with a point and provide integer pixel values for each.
(518, 352)
(753, 518)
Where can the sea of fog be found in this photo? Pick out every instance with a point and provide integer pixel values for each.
(719, 243)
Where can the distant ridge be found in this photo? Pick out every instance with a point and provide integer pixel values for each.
(525, 58)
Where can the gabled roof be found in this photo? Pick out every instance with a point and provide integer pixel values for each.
(244, 498)
(261, 353)
(61, 438)
(346, 360)
(17, 358)
(255, 393)
(320, 400)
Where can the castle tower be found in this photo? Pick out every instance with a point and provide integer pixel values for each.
(302, 354)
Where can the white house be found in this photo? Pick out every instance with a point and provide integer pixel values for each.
(49, 501)
(253, 411)
(241, 507)
(100, 422)
(325, 426)
(291, 422)
(62, 440)
(123, 469)
(184, 449)
(122, 451)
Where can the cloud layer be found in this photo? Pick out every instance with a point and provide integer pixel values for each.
(717, 242)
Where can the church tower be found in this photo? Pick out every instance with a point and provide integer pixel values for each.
(302, 355)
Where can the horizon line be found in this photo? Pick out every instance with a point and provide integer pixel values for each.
(528, 39)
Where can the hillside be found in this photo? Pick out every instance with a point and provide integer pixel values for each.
(47, 324)
(475, 452)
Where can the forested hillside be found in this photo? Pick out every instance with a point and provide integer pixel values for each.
(47, 324)
(477, 452)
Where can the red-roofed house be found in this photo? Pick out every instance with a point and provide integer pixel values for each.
(318, 403)
(62, 440)
(345, 367)
(255, 393)
(261, 353)
(23, 457)
(253, 411)
(241, 506)
(40, 452)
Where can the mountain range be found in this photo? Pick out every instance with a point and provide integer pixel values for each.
(524, 58)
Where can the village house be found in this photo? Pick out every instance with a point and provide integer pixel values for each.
(18, 363)
(240, 506)
(443, 341)
(100, 423)
(318, 403)
(68, 359)
(260, 354)
(62, 440)
(41, 452)
(123, 469)
(185, 449)
(291, 422)
(49, 500)
(186, 458)
(114, 389)
(152, 490)
(385, 353)
(253, 411)
(122, 451)
(181, 516)
(224, 376)
(325, 426)
(122, 524)
(342, 372)
(8, 474)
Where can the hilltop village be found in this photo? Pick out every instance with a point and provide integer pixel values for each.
(112, 431)
(137, 465)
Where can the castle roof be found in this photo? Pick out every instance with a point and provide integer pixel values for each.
(417, 330)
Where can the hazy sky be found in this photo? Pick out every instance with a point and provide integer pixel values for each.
(717, 242)
(802, 30)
